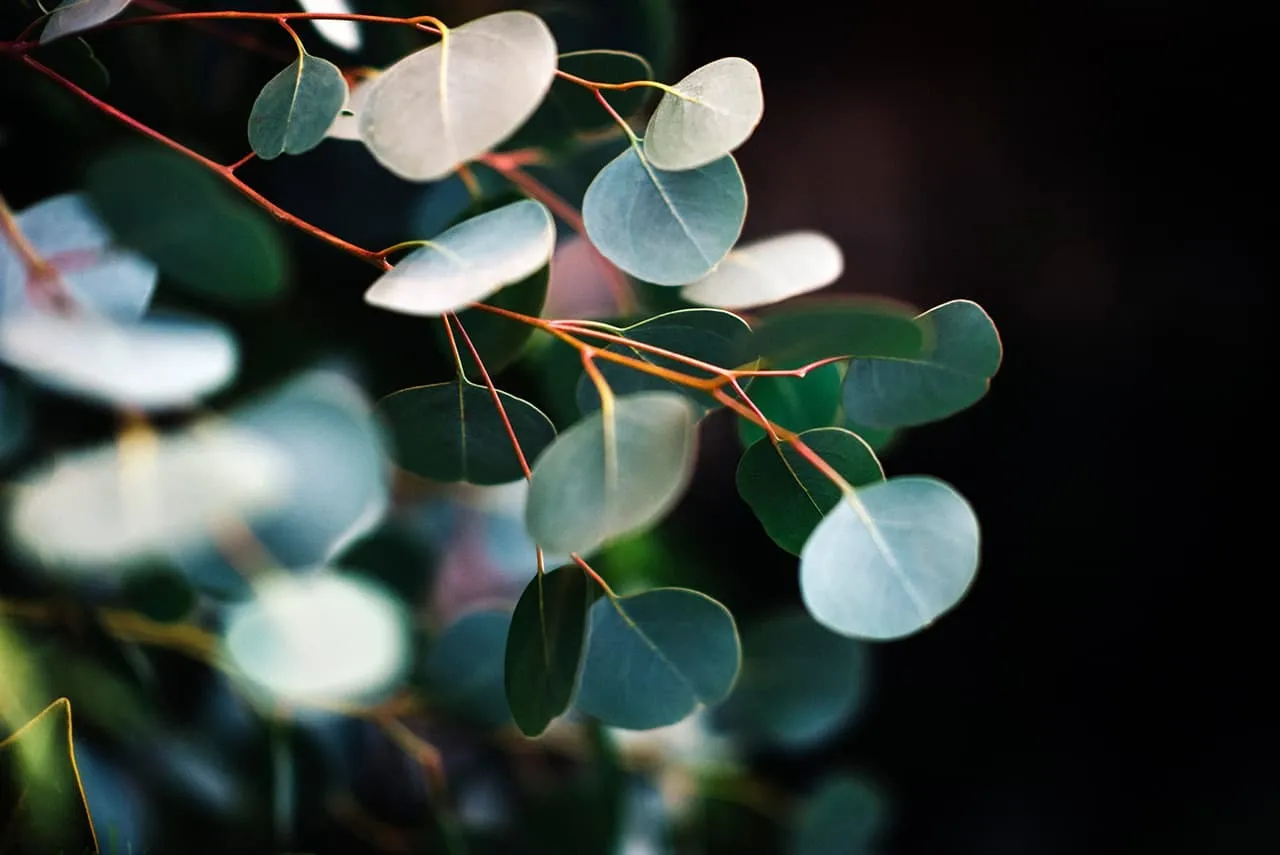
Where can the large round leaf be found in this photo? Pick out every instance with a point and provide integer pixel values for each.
(454, 432)
(952, 374)
(545, 646)
(469, 262)
(795, 403)
(453, 101)
(612, 474)
(857, 327)
(770, 270)
(294, 111)
(654, 656)
(888, 561)
(668, 228)
(788, 494)
(708, 114)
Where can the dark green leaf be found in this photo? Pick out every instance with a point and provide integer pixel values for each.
(463, 668)
(454, 432)
(950, 375)
(789, 495)
(843, 817)
(795, 403)
(545, 646)
(293, 112)
(857, 327)
(652, 657)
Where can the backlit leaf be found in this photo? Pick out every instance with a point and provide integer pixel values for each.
(294, 111)
(952, 374)
(468, 262)
(455, 100)
(788, 494)
(653, 657)
(890, 561)
(74, 16)
(795, 403)
(343, 34)
(711, 112)
(609, 476)
(346, 124)
(454, 432)
(769, 270)
(668, 228)
(858, 327)
(545, 647)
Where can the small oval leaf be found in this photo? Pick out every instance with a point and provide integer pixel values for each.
(468, 262)
(654, 656)
(857, 327)
(609, 476)
(769, 270)
(455, 100)
(710, 113)
(668, 228)
(294, 111)
(891, 560)
(545, 647)
(454, 432)
(75, 16)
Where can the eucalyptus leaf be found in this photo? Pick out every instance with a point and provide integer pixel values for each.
(455, 100)
(294, 111)
(856, 327)
(545, 645)
(668, 228)
(705, 116)
(74, 16)
(454, 432)
(463, 668)
(890, 560)
(769, 270)
(951, 375)
(795, 403)
(788, 494)
(343, 34)
(654, 656)
(612, 474)
(469, 261)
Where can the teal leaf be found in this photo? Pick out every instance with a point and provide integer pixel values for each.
(951, 375)
(293, 112)
(712, 336)
(708, 114)
(545, 647)
(800, 683)
(844, 816)
(795, 403)
(857, 327)
(468, 262)
(463, 669)
(891, 559)
(612, 473)
(788, 494)
(769, 270)
(668, 228)
(654, 656)
(74, 16)
(454, 432)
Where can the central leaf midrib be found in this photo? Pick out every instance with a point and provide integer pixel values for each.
(662, 193)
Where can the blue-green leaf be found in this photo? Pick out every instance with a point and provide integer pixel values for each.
(795, 403)
(293, 112)
(463, 668)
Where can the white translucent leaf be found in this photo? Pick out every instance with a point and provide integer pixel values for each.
(769, 270)
(76, 15)
(346, 125)
(712, 111)
(146, 495)
(469, 262)
(453, 101)
(344, 34)
(319, 637)
(151, 365)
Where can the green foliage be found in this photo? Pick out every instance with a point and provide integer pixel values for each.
(795, 403)
(295, 109)
(855, 327)
(842, 817)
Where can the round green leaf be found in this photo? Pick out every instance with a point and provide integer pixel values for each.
(708, 114)
(545, 646)
(75, 16)
(654, 656)
(609, 476)
(769, 270)
(858, 327)
(795, 403)
(293, 112)
(890, 560)
(788, 495)
(709, 335)
(179, 216)
(454, 432)
(463, 668)
(453, 101)
(842, 817)
(668, 228)
(469, 261)
(952, 374)
(800, 682)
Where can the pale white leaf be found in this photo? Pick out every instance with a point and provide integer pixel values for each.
(344, 34)
(711, 112)
(769, 270)
(346, 124)
(74, 16)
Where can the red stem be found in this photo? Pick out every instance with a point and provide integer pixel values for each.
(493, 390)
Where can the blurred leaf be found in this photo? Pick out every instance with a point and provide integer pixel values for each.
(711, 112)
(394, 556)
(343, 34)
(952, 374)
(161, 593)
(545, 647)
(789, 495)
(796, 403)
(857, 327)
(843, 817)
(652, 657)
(73, 16)
(668, 228)
(293, 112)
(769, 270)
(889, 561)
(454, 432)
(464, 667)
(15, 418)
